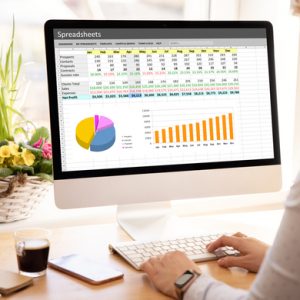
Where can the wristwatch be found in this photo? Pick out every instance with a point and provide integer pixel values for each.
(184, 281)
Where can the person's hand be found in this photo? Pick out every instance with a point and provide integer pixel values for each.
(164, 270)
(252, 251)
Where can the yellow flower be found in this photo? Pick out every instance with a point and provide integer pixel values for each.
(4, 151)
(1, 160)
(17, 161)
(14, 148)
(28, 157)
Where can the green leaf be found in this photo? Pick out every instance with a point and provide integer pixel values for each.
(45, 176)
(12, 52)
(3, 113)
(3, 143)
(5, 172)
(37, 152)
(23, 169)
(13, 29)
(18, 69)
(46, 166)
(41, 132)
(7, 63)
(9, 75)
(1, 70)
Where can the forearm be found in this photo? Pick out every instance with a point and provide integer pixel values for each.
(279, 274)
(207, 288)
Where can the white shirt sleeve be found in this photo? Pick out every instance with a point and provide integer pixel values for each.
(279, 275)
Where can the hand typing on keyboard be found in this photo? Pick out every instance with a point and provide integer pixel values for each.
(252, 251)
(136, 253)
(163, 270)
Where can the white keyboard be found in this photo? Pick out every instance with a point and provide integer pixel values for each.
(135, 253)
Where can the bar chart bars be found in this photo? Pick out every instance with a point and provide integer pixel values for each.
(215, 128)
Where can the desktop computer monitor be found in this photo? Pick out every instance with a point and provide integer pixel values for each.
(150, 111)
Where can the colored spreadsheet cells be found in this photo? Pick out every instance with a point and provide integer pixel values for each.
(96, 133)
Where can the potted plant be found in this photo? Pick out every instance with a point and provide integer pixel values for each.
(25, 150)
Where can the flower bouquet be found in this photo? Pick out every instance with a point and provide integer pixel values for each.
(31, 158)
(25, 150)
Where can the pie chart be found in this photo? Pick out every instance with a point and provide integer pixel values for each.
(96, 133)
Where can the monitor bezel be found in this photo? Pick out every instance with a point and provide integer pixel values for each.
(53, 100)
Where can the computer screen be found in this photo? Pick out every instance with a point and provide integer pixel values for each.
(161, 110)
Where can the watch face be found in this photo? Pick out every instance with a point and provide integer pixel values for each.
(184, 279)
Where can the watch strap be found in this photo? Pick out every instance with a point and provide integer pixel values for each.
(180, 291)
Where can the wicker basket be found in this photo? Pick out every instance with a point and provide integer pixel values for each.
(24, 199)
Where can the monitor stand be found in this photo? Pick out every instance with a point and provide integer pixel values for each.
(146, 221)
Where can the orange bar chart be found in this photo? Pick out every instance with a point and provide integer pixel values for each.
(198, 131)
(211, 129)
(177, 134)
(224, 127)
(216, 128)
(230, 126)
(204, 130)
(191, 129)
(164, 137)
(184, 133)
(156, 138)
(170, 134)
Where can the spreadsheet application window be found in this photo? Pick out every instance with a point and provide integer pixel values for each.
(150, 97)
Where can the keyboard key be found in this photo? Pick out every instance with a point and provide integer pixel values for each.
(202, 257)
(231, 252)
(220, 253)
(195, 247)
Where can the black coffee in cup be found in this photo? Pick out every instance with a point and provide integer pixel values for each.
(32, 255)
